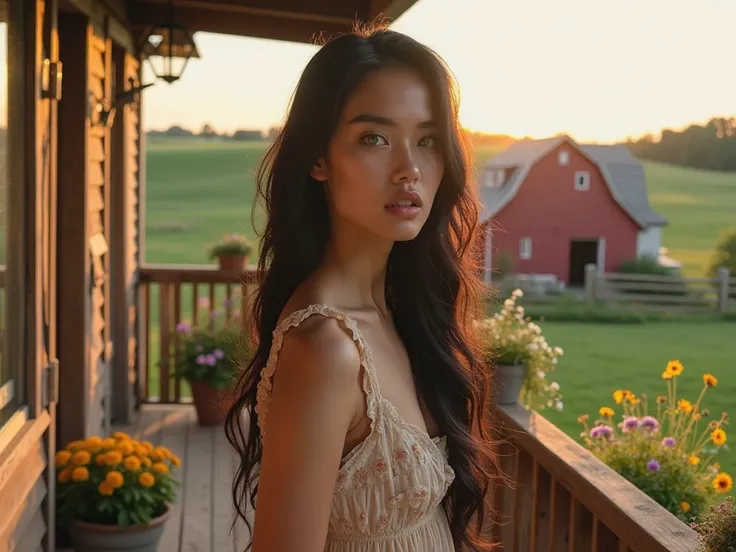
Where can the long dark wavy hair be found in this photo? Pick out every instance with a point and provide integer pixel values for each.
(432, 282)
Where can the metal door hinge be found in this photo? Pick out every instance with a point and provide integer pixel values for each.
(50, 383)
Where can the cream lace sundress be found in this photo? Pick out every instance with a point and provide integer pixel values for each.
(389, 487)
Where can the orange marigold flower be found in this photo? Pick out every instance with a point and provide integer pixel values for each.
(62, 457)
(105, 489)
(75, 445)
(132, 463)
(113, 458)
(108, 443)
(685, 506)
(160, 468)
(80, 473)
(175, 460)
(710, 380)
(120, 435)
(146, 462)
(81, 458)
(146, 479)
(115, 479)
(64, 475)
(674, 367)
(722, 483)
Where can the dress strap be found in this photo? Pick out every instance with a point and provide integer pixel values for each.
(370, 381)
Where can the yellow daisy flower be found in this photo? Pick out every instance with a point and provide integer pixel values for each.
(685, 405)
(710, 380)
(722, 483)
(693, 460)
(718, 437)
(685, 506)
(675, 367)
(606, 412)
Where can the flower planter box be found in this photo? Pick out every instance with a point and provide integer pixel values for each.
(232, 263)
(508, 381)
(211, 404)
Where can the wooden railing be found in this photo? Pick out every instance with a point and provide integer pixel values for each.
(170, 294)
(663, 293)
(566, 500)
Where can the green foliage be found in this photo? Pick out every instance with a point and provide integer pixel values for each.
(508, 338)
(114, 481)
(725, 254)
(669, 452)
(231, 244)
(717, 527)
(213, 354)
(646, 264)
(711, 146)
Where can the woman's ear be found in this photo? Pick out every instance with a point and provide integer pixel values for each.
(319, 170)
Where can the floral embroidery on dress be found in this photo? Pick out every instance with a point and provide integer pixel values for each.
(412, 497)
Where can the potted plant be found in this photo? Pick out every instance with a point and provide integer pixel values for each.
(231, 252)
(519, 358)
(209, 359)
(669, 453)
(115, 494)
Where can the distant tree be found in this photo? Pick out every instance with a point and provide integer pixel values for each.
(242, 134)
(178, 131)
(208, 131)
(273, 132)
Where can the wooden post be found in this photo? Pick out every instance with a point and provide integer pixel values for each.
(591, 274)
(723, 280)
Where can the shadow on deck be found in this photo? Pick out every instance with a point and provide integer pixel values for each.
(203, 514)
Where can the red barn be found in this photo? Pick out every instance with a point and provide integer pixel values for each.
(552, 206)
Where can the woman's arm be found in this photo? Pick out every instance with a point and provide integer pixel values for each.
(312, 405)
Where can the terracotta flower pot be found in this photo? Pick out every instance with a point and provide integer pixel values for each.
(94, 537)
(508, 380)
(232, 263)
(211, 404)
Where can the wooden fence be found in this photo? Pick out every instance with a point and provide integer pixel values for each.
(668, 293)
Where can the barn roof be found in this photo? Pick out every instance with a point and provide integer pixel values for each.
(622, 172)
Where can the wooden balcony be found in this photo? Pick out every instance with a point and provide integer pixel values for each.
(561, 498)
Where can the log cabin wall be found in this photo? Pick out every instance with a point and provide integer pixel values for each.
(98, 162)
(124, 242)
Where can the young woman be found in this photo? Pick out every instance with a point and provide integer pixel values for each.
(364, 404)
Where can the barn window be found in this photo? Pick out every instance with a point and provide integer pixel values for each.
(582, 180)
(525, 248)
(494, 178)
(563, 157)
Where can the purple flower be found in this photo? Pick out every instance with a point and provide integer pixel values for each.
(218, 353)
(211, 360)
(601, 431)
(201, 360)
(650, 423)
(183, 327)
(653, 465)
(630, 424)
(669, 442)
(227, 303)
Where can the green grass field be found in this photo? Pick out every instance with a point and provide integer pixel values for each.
(199, 190)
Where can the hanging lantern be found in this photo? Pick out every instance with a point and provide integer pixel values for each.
(168, 47)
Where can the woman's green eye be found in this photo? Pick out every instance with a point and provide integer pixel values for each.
(374, 140)
(427, 141)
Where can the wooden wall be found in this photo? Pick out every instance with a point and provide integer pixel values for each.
(126, 176)
(98, 162)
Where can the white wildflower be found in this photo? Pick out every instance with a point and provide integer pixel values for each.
(541, 374)
(517, 293)
(558, 406)
(554, 386)
(558, 351)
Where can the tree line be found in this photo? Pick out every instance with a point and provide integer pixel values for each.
(711, 146)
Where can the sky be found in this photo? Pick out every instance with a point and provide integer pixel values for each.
(597, 70)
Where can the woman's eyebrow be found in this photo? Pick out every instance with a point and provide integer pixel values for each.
(385, 121)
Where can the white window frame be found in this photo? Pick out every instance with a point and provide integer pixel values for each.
(585, 185)
(525, 248)
(564, 157)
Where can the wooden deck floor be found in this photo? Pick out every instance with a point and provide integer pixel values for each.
(203, 514)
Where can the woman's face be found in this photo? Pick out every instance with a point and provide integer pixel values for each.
(384, 163)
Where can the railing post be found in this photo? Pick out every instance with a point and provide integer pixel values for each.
(591, 274)
(724, 278)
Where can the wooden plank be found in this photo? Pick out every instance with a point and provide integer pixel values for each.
(559, 521)
(164, 310)
(626, 510)
(175, 438)
(98, 93)
(197, 506)
(96, 151)
(25, 441)
(95, 174)
(654, 298)
(223, 511)
(618, 276)
(22, 499)
(96, 63)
